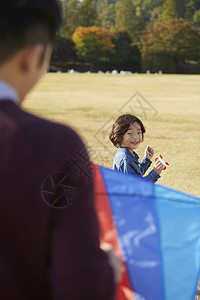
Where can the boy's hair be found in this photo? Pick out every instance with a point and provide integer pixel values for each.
(27, 22)
(121, 126)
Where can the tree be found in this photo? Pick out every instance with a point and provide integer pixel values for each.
(166, 46)
(156, 14)
(88, 13)
(196, 18)
(148, 6)
(169, 10)
(93, 43)
(191, 7)
(63, 52)
(78, 13)
(124, 15)
(132, 17)
(106, 13)
(126, 55)
(71, 17)
(129, 19)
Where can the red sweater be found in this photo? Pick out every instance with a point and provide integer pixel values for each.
(49, 237)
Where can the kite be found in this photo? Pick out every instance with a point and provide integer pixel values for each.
(156, 232)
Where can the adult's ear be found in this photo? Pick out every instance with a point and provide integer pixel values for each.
(31, 57)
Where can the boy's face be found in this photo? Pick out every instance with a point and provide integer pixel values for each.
(133, 137)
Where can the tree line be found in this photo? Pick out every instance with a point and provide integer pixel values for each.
(134, 35)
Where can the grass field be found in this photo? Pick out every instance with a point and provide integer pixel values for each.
(169, 106)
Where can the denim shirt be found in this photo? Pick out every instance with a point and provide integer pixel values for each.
(126, 162)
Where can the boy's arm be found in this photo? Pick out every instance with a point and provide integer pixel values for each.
(144, 164)
(153, 176)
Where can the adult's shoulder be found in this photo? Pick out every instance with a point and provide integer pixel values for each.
(52, 131)
(41, 135)
(22, 119)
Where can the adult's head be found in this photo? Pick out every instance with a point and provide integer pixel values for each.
(27, 29)
(25, 23)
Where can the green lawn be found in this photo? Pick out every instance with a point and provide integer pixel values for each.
(169, 106)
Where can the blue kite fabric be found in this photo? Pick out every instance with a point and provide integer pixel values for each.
(158, 231)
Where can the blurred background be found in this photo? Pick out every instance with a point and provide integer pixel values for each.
(132, 35)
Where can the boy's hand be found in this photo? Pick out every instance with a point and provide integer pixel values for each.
(149, 152)
(113, 260)
(158, 167)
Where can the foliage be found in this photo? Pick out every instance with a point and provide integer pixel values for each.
(174, 41)
(190, 8)
(77, 14)
(126, 54)
(124, 15)
(63, 51)
(169, 10)
(106, 13)
(71, 17)
(149, 8)
(88, 13)
(129, 18)
(196, 18)
(92, 43)
(133, 17)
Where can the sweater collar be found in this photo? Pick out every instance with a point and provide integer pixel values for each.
(8, 92)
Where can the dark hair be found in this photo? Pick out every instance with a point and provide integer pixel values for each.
(26, 22)
(121, 126)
